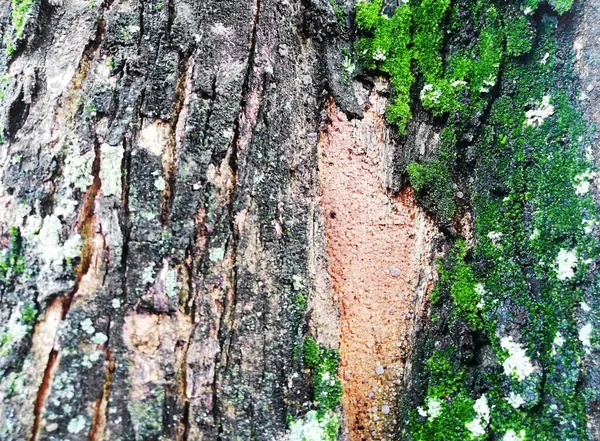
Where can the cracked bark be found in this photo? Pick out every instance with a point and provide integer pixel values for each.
(181, 145)
(176, 144)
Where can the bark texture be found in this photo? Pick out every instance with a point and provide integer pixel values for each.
(159, 163)
(203, 214)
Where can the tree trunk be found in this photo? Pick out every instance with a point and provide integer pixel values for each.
(210, 232)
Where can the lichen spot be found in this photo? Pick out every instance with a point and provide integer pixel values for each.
(111, 159)
(535, 117)
(565, 264)
(518, 364)
(78, 170)
(585, 336)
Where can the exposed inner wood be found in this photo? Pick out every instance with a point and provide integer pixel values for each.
(374, 244)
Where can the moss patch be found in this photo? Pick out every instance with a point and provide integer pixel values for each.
(506, 95)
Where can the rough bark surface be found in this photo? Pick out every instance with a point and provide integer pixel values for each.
(191, 191)
(160, 164)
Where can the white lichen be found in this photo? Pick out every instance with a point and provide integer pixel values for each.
(480, 290)
(559, 339)
(536, 117)
(78, 170)
(589, 154)
(72, 247)
(518, 364)
(565, 264)
(511, 435)
(312, 427)
(458, 83)
(348, 66)
(111, 159)
(585, 335)
(495, 236)
(65, 207)
(482, 417)
(379, 55)
(583, 182)
(585, 307)
(434, 408)
(428, 94)
(297, 282)
(515, 400)
(160, 184)
(589, 225)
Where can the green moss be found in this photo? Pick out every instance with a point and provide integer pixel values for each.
(432, 180)
(386, 46)
(12, 263)
(20, 14)
(29, 314)
(519, 35)
(450, 425)
(457, 277)
(446, 386)
(446, 375)
(324, 364)
(311, 352)
(327, 388)
(527, 201)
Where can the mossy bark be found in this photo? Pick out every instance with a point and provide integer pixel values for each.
(162, 242)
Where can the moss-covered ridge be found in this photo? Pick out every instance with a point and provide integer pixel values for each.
(322, 423)
(447, 56)
(511, 321)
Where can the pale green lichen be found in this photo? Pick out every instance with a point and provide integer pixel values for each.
(171, 285)
(148, 274)
(87, 326)
(146, 415)
(76, 424)
(216, 254)
(50, 248)
(315, 428)
(99, 338)
(14, 331)
(111, 159)
(78, 170)
(89, 360)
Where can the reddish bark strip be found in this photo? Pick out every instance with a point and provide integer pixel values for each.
(375, 247)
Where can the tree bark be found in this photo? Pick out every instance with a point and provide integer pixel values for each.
(194, 191)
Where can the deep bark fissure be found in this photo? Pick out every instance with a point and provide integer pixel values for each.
(98, 428)
(42, 393)
(226, 326)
